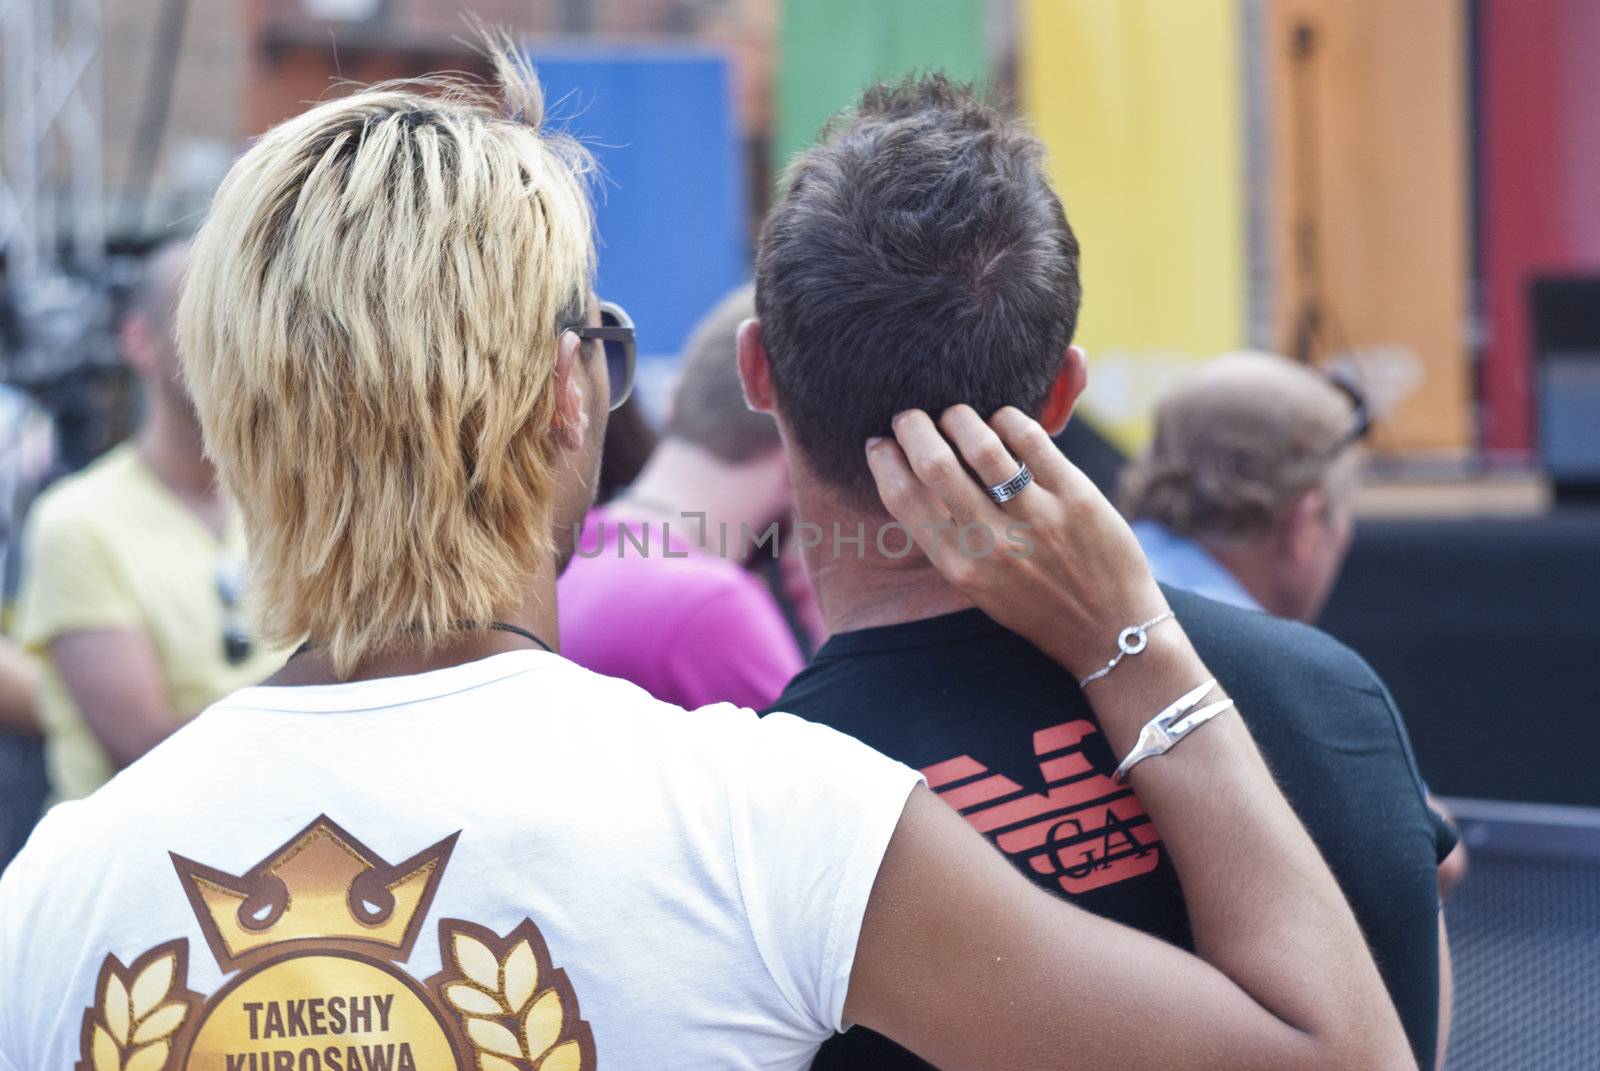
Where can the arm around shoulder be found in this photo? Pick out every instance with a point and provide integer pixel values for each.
(962, 960)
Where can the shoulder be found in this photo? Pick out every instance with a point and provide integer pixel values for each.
(49, 872)
(1260, 646)
(81, 501)
(649, 737)
(744, 744)
(1313, 704)
(673, 584)
(704, 584)
(723, 733)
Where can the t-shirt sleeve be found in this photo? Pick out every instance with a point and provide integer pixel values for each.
(70, 582)
(7, 967)
(1445, 835)
(734, 647)
(11, 880)
(811, 812)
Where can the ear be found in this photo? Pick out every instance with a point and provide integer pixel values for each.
(570, 413)
(1303, 524)
(133, 338)
(1064, 392)
(754, 371)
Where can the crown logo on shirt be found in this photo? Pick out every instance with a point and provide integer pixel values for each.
(316, 937)
(322, 885)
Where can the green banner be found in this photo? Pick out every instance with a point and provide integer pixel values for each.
(829, 50)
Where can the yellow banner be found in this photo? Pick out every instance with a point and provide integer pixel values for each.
(1140, 103)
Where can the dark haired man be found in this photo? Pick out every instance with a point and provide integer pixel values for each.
(918, 258)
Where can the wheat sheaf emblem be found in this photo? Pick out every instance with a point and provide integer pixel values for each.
(138, 1012)
(517, 1010)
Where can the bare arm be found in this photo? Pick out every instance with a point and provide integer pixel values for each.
(1453, 870)
(116, 681)
(965, 962)
(19, 680)
(1447, 994)
(1451, 873)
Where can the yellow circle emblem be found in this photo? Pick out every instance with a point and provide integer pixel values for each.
(321, 1012)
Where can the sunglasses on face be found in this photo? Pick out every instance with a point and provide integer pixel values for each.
(616, 335)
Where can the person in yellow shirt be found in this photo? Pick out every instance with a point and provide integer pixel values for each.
(131, 573)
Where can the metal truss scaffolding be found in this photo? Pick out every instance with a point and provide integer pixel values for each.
(52, 182)
(52, 187)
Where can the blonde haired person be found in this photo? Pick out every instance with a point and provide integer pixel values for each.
(385, 332)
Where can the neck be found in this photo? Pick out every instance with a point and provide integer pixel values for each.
(536, 614)
(1252, 566)
(681, 478)
(169, 442)
(861, 587)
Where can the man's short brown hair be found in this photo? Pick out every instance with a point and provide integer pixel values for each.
(917, 257)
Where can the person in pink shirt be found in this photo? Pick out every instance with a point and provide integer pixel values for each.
(658, 592)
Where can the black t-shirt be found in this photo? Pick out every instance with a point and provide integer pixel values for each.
(1004, 735)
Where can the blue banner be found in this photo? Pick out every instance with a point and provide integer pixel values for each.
(670, 205)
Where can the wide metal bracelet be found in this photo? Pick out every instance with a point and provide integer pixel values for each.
(1174, 723)
(1130, 641)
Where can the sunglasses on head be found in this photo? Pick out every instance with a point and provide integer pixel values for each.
(1345, 382)
(616, 335)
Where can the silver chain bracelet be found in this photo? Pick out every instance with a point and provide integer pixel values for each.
(1130, 641)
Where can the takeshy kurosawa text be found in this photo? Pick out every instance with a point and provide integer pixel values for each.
(306, 1025)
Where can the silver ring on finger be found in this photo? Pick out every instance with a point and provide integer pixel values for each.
(1002, 493)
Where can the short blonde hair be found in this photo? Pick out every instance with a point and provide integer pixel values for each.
(369, 328)
(1236, 442)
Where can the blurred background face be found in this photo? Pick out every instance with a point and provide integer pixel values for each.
(146, 338)
(149, 350)
(1316, 558)
(1332, 530)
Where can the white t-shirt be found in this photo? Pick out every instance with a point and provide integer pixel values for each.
(507, 864)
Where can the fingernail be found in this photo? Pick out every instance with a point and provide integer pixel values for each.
(874, 441)
(901, 415)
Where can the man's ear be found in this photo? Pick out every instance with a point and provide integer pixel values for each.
(754, 371)
(570, 412)
(1065, 391)
(133, 339)
(1304, 523)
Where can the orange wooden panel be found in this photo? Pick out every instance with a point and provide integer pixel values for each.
(1375, 120)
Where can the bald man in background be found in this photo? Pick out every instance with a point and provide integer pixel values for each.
(131, 572)
(1246, 492)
